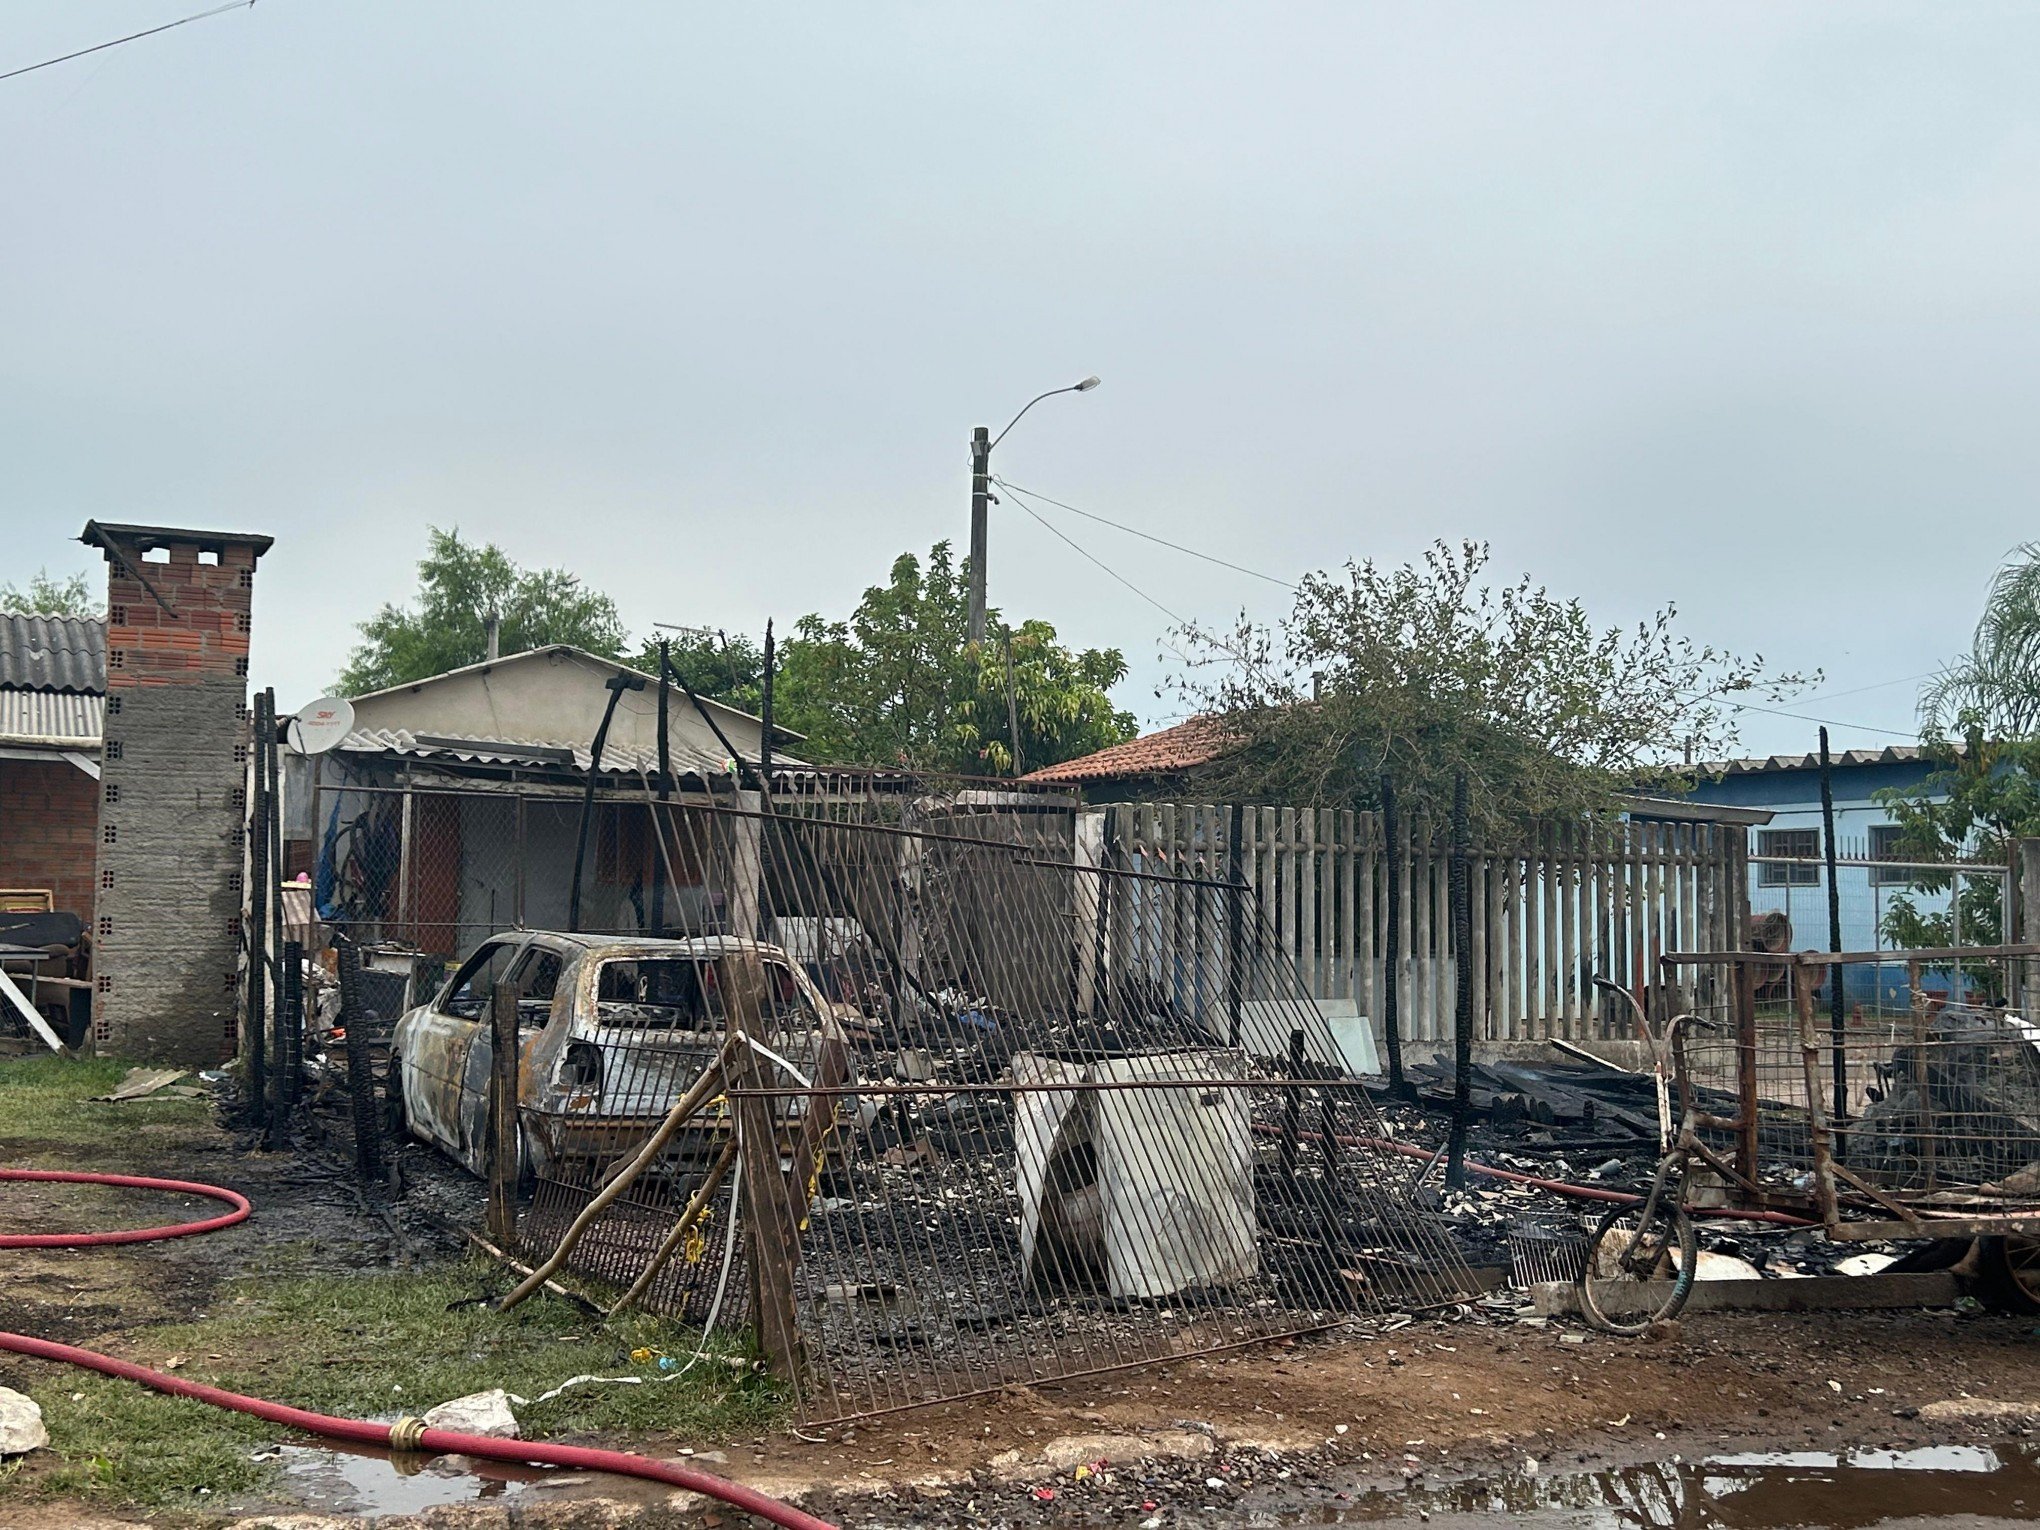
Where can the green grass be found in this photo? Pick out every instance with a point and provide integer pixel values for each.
(377, 1343)
(374, 1345)
(49, 1099)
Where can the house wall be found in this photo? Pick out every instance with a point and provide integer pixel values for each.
(551, 697)
(173, 804)
(49, 830)
(1794, 797)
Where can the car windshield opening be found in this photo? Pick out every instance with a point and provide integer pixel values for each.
(680, 993)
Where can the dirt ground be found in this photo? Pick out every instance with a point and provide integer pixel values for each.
(1304, 1425)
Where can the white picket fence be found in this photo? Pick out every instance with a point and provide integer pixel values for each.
(1549, 914)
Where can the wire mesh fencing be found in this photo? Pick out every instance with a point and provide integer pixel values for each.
(935, 1145)
(1913, 1110)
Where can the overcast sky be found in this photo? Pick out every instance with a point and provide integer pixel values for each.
(1726, 305)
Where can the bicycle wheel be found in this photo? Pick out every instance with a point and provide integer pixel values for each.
(1638, 1272)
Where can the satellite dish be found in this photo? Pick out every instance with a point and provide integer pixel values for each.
(318, 727)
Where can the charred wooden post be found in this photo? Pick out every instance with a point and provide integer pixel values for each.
(256, 930)
(665, 791)
(1837, 1026)
(360, 1069)
(280, 1064)
(503, 1152)
(772, 1237)
(294, 1021)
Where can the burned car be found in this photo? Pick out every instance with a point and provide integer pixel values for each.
(612, 1031)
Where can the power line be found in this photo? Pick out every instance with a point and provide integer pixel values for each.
(1101, 563)
(1880, 685)
(65, 58)
(1146, 536)
(1747, 706)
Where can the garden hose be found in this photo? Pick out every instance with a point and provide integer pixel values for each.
(405, 1434)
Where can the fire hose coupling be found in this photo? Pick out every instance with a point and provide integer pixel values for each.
(408, 1433)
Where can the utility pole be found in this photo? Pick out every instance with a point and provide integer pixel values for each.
(980, 499)
(981, 443)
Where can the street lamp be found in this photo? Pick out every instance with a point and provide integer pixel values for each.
(981, 443)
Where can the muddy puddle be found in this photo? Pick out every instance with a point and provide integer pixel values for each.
(343, 1479)
(1947, 1484)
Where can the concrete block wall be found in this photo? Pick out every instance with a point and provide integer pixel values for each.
(49, 828)
(173, 805)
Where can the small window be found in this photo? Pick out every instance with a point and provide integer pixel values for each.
(209, 556)
(1798, 845)
(155, 555)
(537, 978)
(1884, 846)
(467, 997)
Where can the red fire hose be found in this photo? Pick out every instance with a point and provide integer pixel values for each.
(134, 1234)
(405, 1434)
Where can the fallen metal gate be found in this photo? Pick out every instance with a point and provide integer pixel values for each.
(1002, 1161)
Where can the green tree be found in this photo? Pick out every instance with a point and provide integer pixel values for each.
(1980, 797)
(44, 596)
(898, 682)
(1417, 672)
(718, 666)
(459, 584)
(1995, 687)
(1978, 718)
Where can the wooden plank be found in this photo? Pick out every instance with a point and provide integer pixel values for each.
(1366, 934)
(1169, 901)
(1444, 964)
(1477, 928)
(19, 1001)
(1343, 893)
(1586, 963)
(1512, 915)
(1417, 946)
(1548, 875)
(1270, 860)
(1497, 944)
(1305, 854)
(1567, 1020)
(1814, 1293)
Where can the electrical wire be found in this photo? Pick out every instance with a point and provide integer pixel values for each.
(1146, 536)
(65, 58)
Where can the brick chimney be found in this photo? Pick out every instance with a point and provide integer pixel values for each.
(173, 783)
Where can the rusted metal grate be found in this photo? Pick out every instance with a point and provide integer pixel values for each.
(1911, 1109)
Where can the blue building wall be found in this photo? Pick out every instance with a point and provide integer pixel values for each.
(1793, 795)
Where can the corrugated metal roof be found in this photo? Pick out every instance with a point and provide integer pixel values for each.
(1892, 754)
(48, 718)
(511, 752)
(52, 653)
